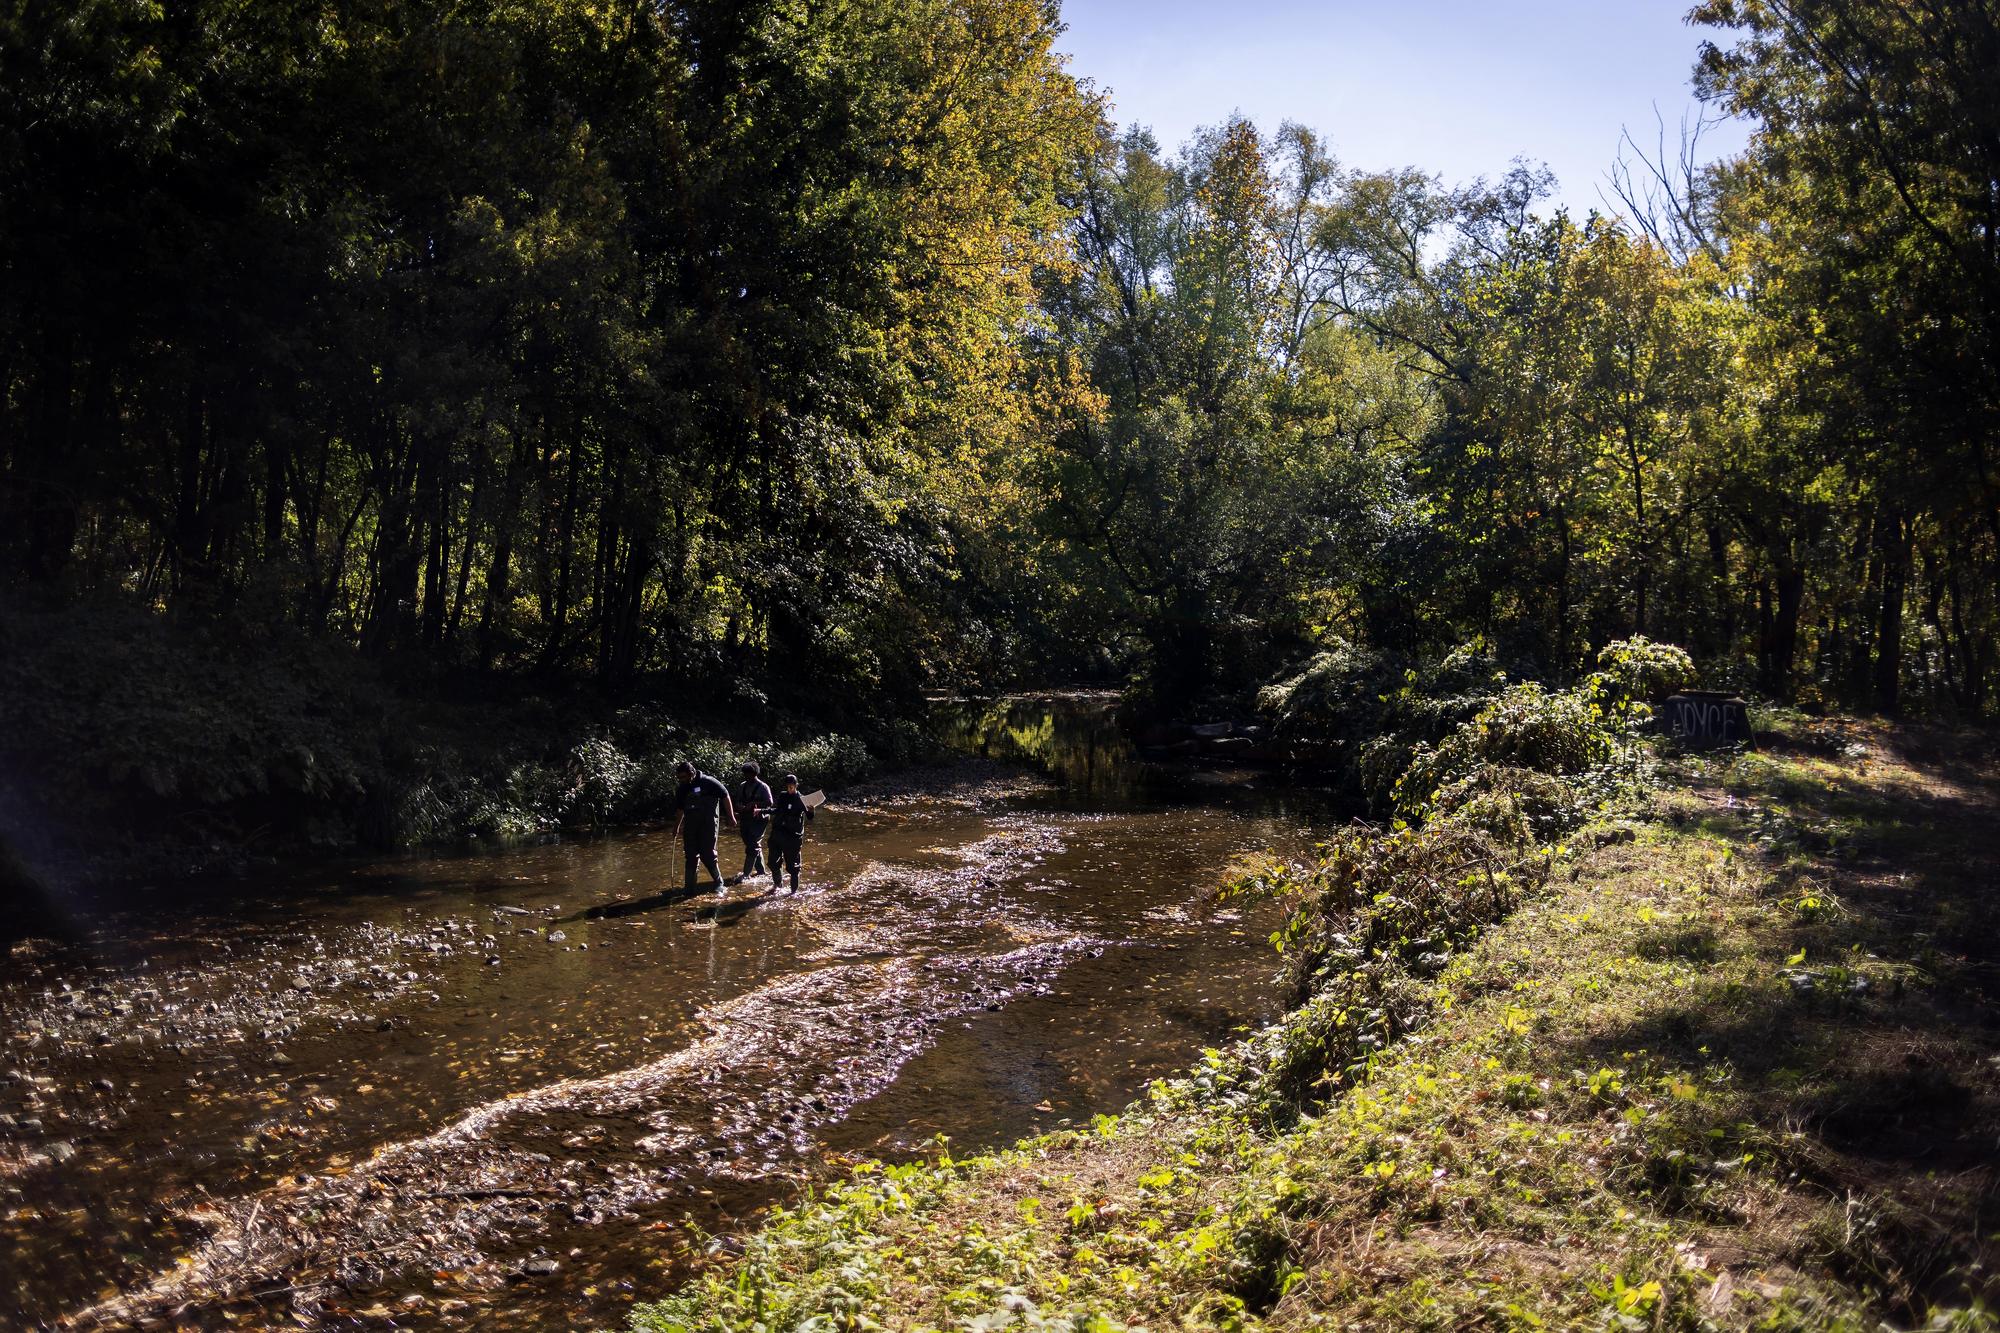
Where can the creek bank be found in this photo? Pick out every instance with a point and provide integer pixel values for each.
(134, 749)
(1727, 1059)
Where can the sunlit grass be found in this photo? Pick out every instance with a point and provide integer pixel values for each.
(1610, 1111)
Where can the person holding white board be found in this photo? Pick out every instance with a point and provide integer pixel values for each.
(789, 817)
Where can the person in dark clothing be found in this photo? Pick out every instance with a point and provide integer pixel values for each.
(700, 799)
(754, 796)
(789, 818)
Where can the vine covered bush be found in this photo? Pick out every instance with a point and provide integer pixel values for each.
(1336, 691)
(1376, 910)
(1371, 711)
(1514, 806)
(1639, 672)
(1559, 733)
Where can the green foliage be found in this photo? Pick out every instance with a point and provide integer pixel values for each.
(1871, 458)
(1611, 1070)
(1371, 911)
(623, 340)
(1360, 715)
(846, 352)
(604, 776)
(136, 713)
(1221, 453)
(1514, 806)
(1336, 695)
(1556, 733)
(194, 744)
(1639, 671)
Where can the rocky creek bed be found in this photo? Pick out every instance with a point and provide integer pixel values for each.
(520, 1089)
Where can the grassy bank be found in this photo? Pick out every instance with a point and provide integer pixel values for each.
(131, 746)
(1726, 1057)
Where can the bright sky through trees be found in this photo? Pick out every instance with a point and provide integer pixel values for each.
(1458, 87)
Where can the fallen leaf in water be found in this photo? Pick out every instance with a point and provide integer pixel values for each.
(1044, 1106)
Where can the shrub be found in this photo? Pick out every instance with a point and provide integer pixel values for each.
(194, 740)
(601, 776)
(1525, 727)
(1375, 911)
(1336, 691)
(826, 761)
(1638, 671)
(1374, 894)
(1376, 711)
(1513, 806)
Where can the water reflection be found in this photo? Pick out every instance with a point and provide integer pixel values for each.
(1076, 738)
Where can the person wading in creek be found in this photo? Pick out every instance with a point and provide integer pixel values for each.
(699, 800)
(754, 796)
(788, 831)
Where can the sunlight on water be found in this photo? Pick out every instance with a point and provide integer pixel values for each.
(491, 1090)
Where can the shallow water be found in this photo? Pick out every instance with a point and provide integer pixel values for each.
(513, 1090)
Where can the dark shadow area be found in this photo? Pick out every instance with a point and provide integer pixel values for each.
(1878, 1092)
(725, 913)
(29, 908)
(634, 906)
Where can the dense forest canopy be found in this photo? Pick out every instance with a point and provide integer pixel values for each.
(851, 346)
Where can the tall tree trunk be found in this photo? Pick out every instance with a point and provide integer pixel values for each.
(399, 556)
(49, 499)
(1889, 633)
(558, 629)
(437, 552)
(1562, 662)
(1791, 590)
(1724, 637)
(274, 494)
(468, 538)
(1642, 571)
(190, 541)
(499, 574)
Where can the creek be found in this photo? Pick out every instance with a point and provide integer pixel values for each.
(524, 1089)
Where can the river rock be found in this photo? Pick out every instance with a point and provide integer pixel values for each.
(540, 1266)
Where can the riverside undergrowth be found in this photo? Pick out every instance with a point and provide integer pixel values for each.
(133, 747)
(1682, 1067)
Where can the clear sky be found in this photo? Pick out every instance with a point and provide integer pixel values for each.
(1456, 87)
